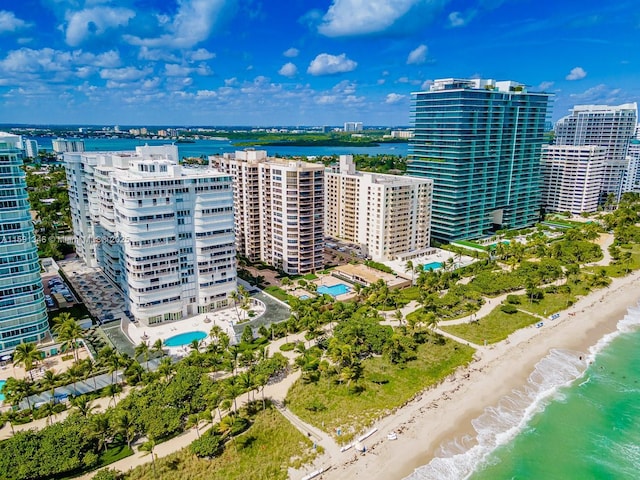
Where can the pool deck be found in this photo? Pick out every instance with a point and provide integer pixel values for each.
(225, 319)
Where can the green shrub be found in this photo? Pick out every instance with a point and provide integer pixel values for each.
(513, 299)
(208, 445)
(510, 309)
(287, 347)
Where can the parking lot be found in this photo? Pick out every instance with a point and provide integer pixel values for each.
(57, 293)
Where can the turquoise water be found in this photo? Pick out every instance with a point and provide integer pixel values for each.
(334, 290)
(304, 297)
(577, 419)
(432, 266)
(212, 147)
(184, 339)
(2, 382)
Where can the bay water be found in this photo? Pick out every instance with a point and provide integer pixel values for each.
(577, 418)
(218, 147)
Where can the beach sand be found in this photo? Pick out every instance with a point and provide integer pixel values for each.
(444, 413)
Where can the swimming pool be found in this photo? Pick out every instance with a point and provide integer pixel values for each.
(432, 266)
(334, 290)
(184, 338)
(2, 382)
(304, 297)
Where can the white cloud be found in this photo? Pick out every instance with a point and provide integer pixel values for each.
(576, 73)
(200, 55)
(288, 70)
(456, 19)
(26, 60)
(192, 24)
(359, 17)
(206, 94)
(231, 82)
(126, 74)
(9, 22)
(417, 56)
(426, 84)
(394, 98)
(173, 70)
(326, 99)
(94, 21)
(380, 81)
(326, 64)
(545, 86)
(291, 52)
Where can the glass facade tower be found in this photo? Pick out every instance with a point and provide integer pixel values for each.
(480, 141)
(23, 314)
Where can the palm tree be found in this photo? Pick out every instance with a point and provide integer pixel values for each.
(83, 404)
(231, 391)
(398, 316)
(158, 347)
(142, 350)
(28, 355)
(247, 382)
(48, 410)
(69, 332)
(101, 429)
(409, 266)
(74, 374)
(61, 318)
(112, 390)
(125, 425)
(235, 296)
(166, 368)
(49, 380)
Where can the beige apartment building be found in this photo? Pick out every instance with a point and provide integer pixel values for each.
(387, 215)
(279, 209)
(572, 177)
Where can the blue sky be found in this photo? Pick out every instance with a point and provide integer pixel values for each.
(300, 62)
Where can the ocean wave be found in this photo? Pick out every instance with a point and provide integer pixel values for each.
(498, 425)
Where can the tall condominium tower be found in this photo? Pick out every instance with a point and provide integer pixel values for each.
(631, 179)
(480, 142)
(607, 126)
(23, 314)
(279, 207)
(162, 232)
(389, 215)
(572, 177)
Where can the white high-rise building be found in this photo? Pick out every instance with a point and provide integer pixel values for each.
(61, 145)
(353, 126)
(631, 181)
(387, 215)
(160, 231)
(30, 148)
(279, 205)
(607, 126)
(572, 177)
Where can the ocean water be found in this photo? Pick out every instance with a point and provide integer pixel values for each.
(577, 418)
(213, 147)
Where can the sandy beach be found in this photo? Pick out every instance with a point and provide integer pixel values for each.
(444, 413)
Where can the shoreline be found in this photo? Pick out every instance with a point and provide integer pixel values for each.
(443, 413)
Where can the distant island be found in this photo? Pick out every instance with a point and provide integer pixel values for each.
(333, 139)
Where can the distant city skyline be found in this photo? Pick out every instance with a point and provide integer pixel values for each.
(315, 62)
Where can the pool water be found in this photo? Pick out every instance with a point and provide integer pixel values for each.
(2, 382)
(432, 266)
(334, 290)
(304, 297)
(184, 338)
